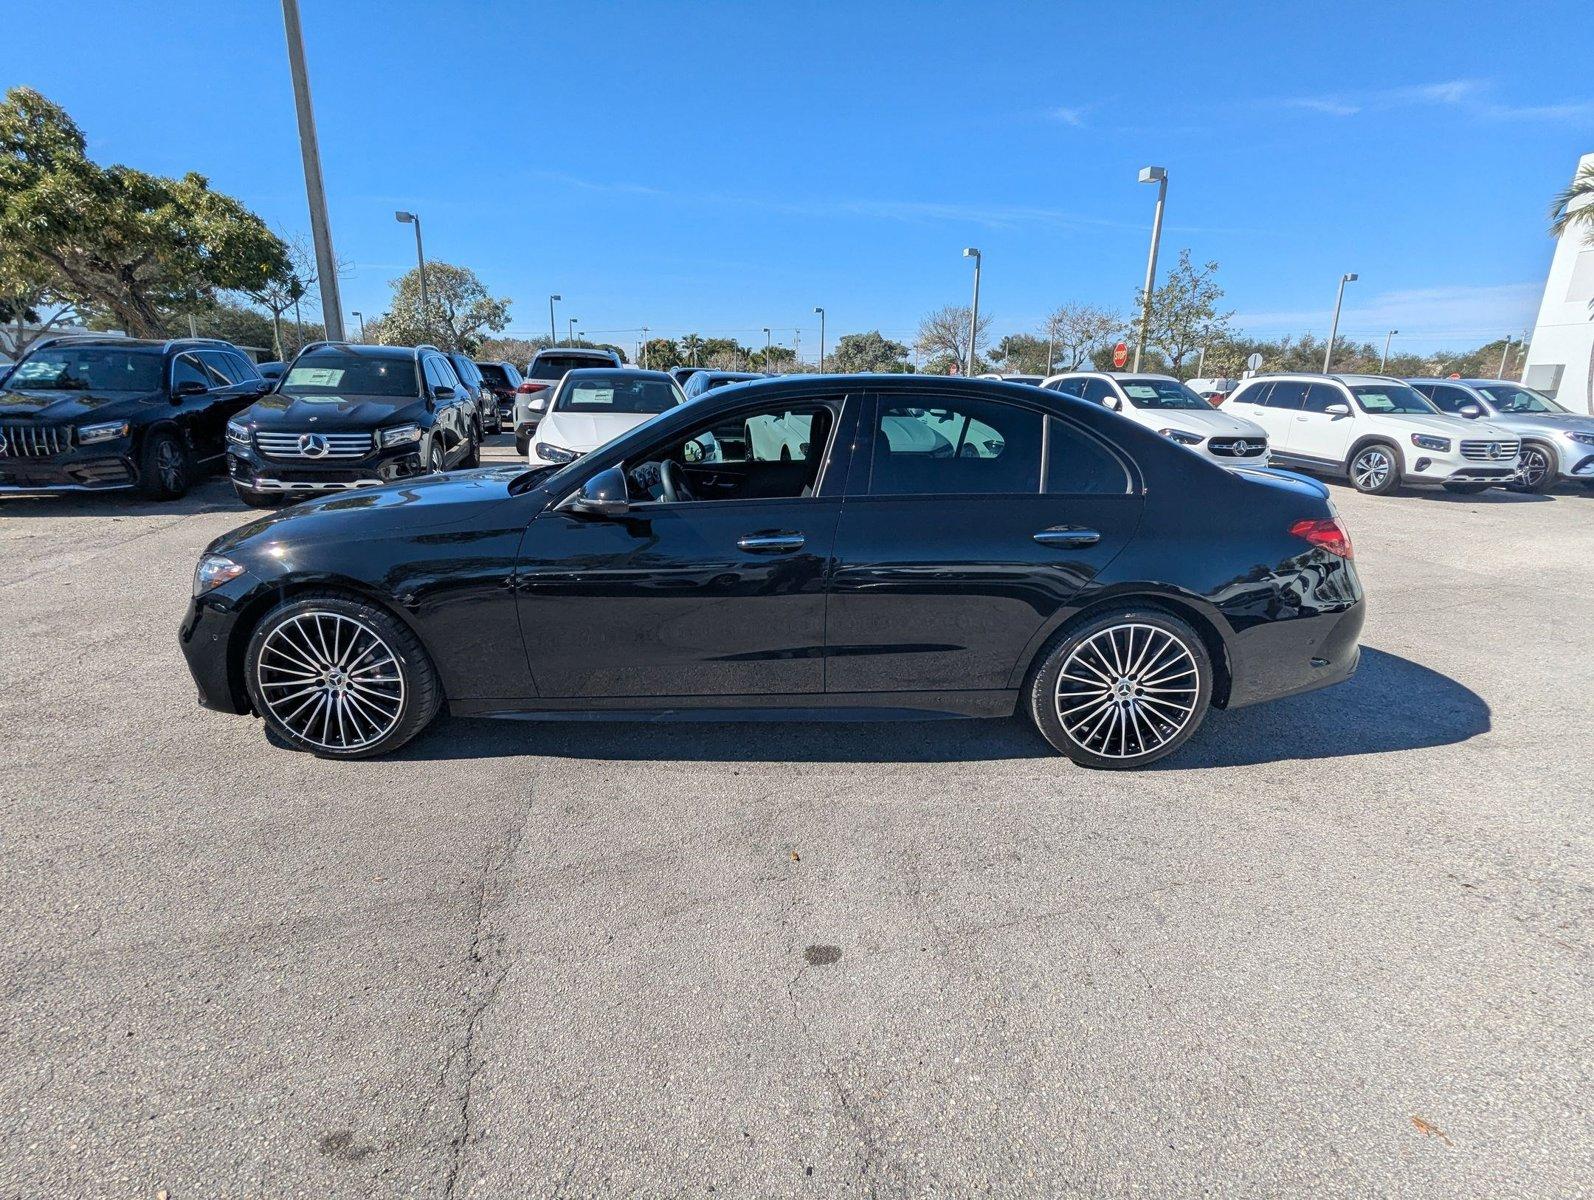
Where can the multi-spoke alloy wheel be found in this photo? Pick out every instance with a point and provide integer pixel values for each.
(340, 677)
(1123, 690)
(1535, 474)
(1375, 471)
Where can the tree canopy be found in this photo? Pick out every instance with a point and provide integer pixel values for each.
(870, 351)
(462, 311)
(1184, 312)
(943, 339)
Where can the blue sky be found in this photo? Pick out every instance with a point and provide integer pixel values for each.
(719, 167)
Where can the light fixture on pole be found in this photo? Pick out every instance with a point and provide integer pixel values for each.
(361, 316)
(326, 262)
(553, 336)
(1384, 361)
(1333, 330)
(409, 218)
(642, 354)
(1158, 176)
(768, 349)
(974, 309)
(821, 313)
(571, 323)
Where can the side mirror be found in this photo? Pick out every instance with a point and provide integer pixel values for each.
(190, 387)
(604, 495)
(443, 391)
(535, 405)
(1113, 403)
(1471, 411)
(1337, 410)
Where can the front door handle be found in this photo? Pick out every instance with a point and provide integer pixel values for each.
(1069, 537)
(771, 543)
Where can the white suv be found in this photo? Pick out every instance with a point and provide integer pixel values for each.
(1379, 432)
(1162, 403)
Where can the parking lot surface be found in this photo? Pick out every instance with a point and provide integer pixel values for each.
(1336, 946)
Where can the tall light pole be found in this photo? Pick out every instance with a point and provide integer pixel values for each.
(409, 218)
(821, 313)
(768, 347)
(326, 262)
(642, 356)
(571, 326)
(1505, 353)
(974, 309)
(1333, 330)
(553, 337)
(361, 315)
(1158, 176)
(1384, 361)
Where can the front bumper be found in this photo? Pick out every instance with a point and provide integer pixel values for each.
(206, 638)
(1443, 468)
(1573, 460)
(250, 469)
(107, 468)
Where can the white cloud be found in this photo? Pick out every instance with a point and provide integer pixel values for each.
(1068, 116)
(1434, 314)
(1466, 95)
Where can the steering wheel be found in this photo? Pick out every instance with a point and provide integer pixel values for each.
(673, 480)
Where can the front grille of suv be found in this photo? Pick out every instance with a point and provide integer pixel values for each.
(1238, 447)
(314, 447)
(1489, 451)
(20, 439)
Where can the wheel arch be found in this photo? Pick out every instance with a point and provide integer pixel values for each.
(1368, 439)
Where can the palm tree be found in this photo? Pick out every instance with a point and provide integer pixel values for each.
(1566, 213)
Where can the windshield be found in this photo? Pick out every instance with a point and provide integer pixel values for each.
(496, 375)
(1161, 393)
(1390, 398)
(557, 366)
(89, 369)
(1513, 398)
(348, 374)
(617, 394)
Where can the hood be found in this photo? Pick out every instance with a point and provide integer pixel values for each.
(46, 405)
(1210, 423)
(1450, 427)
(328, 414)
(584, 432)
(426, 502)
(1524, 422)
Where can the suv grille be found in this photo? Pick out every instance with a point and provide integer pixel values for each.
(1489, 451)
(19, 439)
(314, 447)
(1238, 447)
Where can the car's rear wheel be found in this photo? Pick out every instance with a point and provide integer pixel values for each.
(473, 456)
(1375, 470)
(164, 469)
(339, 677)
(1536, 473)
(523, 444)
(1123, 689)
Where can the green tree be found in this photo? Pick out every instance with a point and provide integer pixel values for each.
(1077, 332)
(133, 246)
(462, 311)
(660, 354)
(691, 349)
(870, 351)
(1184, 312)
(237, 323)
(1021, 353)
(30, 307)
(1573, 207)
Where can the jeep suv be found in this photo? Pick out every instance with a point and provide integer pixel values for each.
(1378, 432)
(91, 413)
(348, 415)
(1556, 444)
(543, 373)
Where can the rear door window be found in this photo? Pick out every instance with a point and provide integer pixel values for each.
(965, 446)
(1287, 393)
(1320, 395)
(1078, 465)
(1448, 399)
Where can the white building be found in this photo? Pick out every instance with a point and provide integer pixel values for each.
(1561, 355)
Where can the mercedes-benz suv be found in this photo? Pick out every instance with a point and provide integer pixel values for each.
(348, 415)
(103, 413)
(1557, 444)
(1163, 404)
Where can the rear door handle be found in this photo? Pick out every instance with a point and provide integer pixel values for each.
(771, 543)
(1067, 537)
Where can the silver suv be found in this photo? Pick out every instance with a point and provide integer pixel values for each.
(1556, 444)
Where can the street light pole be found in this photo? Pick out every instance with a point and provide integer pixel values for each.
(768, 348)
(310, 150)
(974, 309)
(1504, 354)
(361, 315)
(1158, 176)
(1333, 330)
(1201, 364)
(553, 336)
(642, 356)
(821, 313)
(571, 326)
(409, 218)
(1384, 361)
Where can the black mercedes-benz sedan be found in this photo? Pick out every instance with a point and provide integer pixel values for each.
(890, 545)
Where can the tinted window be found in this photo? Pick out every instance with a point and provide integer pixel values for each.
(1077, 464)
(243, 369)
(222, 370)
(557, 366)
(89, 369)
(349, 374)
(1287, 393)
(1389, 398)
(466, 371)
(1514, 398)
(1256, 394)
(967, 447)
(1320, 395)
(614, 394)
(186, 369)
(497, 375)
(1449, 399)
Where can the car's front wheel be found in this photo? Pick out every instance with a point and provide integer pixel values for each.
(164, 469)
(1122, 690)
(1536, 473)
(339, 677)
(1375, 470)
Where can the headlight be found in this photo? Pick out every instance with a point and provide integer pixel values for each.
(213, 571)
(1579, 436)
(1426, 441)
(556, 454)
(398, 435)
(238, 432)
(107, 431)
(1183, 438)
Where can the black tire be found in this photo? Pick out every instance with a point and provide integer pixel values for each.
(384, 713)
(256, 499)
(498, 420)
(1363, 470)
(1537, 473)
(165, 471)
(1112, 720)
(436, 457)
(523, 444)
(473, 456)
(1467, 489)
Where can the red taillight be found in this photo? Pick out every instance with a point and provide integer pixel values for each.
(1329, 534)
(528, 387)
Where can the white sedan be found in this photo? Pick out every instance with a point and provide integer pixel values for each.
(596, 405)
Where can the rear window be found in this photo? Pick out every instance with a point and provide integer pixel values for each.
(557, 366)
(495, 374)
(347, 374)
(89, 369)
(616, 395)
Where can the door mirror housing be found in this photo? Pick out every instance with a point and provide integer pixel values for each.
(189, 387)
(1471, 411)
(1337, 409)
(1113, 403)
(604, 495)
(443, 391)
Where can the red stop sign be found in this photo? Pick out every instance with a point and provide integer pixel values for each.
(1120, 355)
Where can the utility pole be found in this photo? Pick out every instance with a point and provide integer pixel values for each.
(821, 313)
(1158, 176)
(974, 309)
(310, 150)
(1333, 330)
(1384, 361)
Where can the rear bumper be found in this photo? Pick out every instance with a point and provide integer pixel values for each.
(1285, 658)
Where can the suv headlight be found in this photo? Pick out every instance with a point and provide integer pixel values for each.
(1426, 441)
(106, 431)
(238, 432)
(398, 435)
(556, 454)
(1577, 435)
(213, 571)
(1183, 438)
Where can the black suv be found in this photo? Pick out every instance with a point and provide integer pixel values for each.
(347, 415)
(476, 385)
(503, 379)
(93, 413)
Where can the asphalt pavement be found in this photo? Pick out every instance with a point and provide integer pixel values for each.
(1337, 946)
